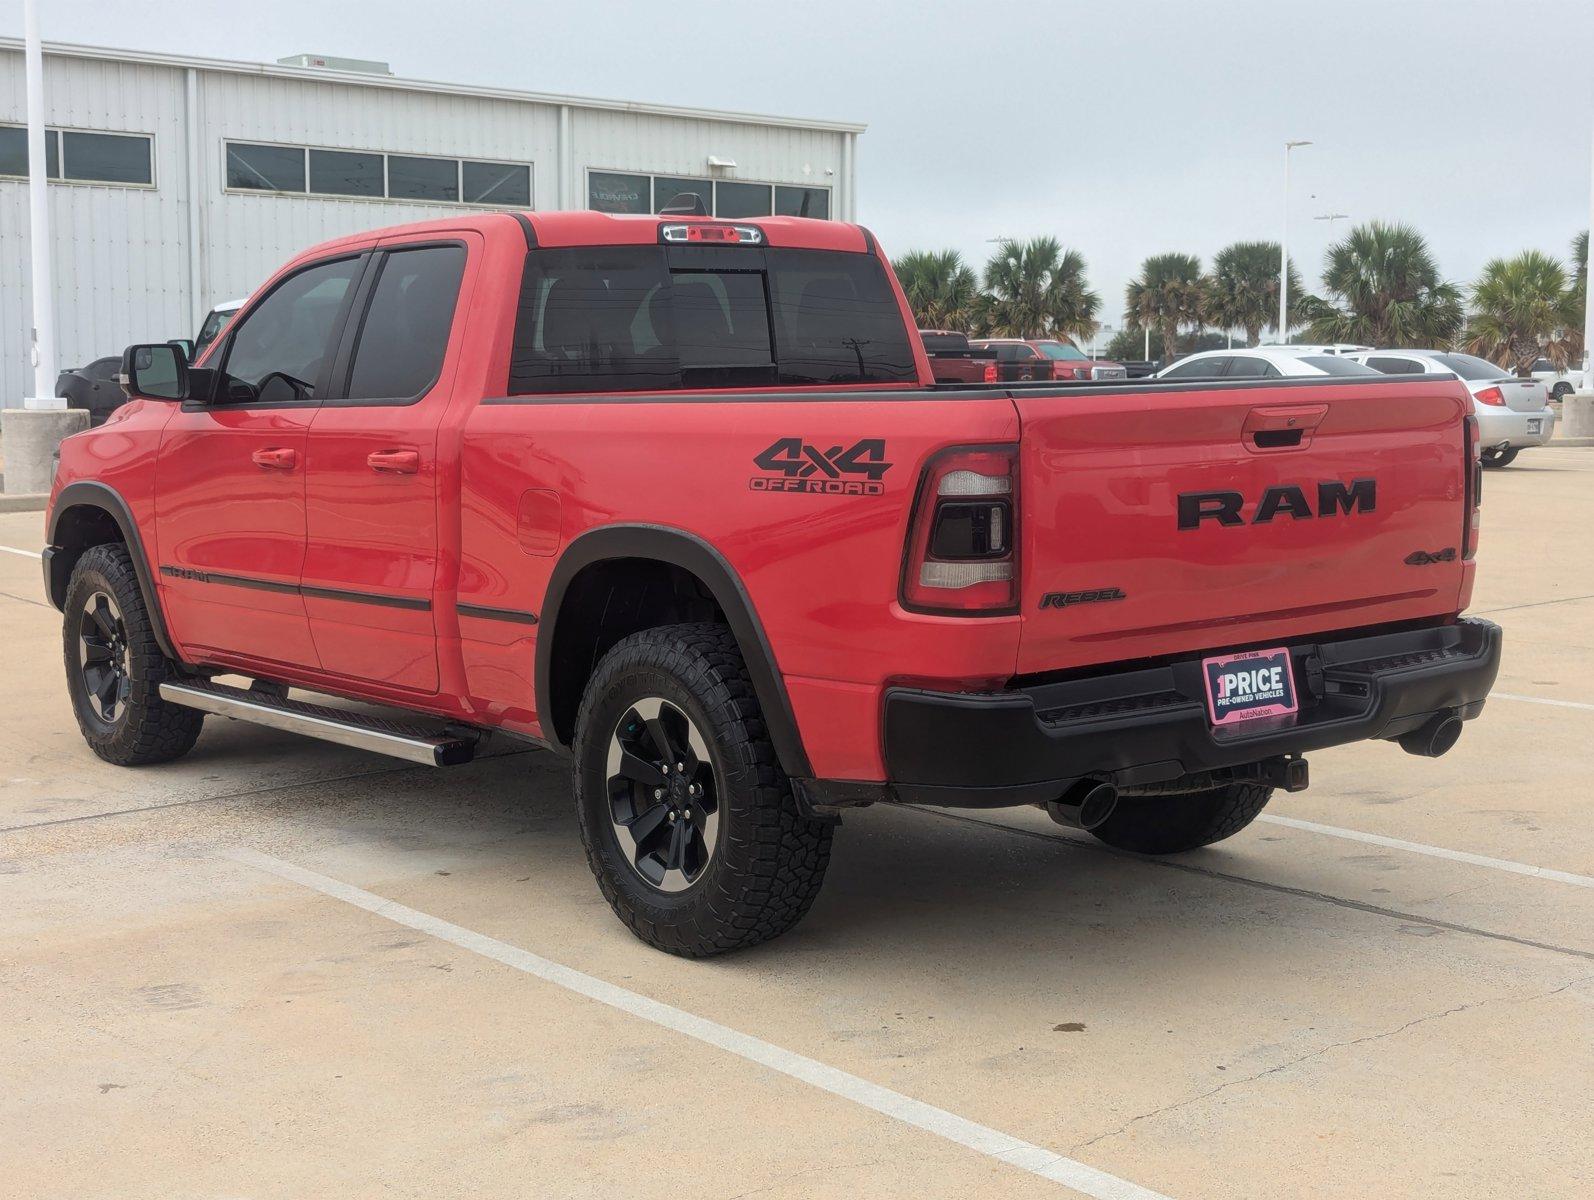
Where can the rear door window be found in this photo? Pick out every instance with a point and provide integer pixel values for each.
(632, 318)
(1395, 366)
(1332, 365)
(404, 333)
(1242, 367)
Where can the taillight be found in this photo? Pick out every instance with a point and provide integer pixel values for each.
(962, 552)
(1472, 489)
(990, 372)
(1491, 395)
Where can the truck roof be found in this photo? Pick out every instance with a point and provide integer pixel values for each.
(585, 228)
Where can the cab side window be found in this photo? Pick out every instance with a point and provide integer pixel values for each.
(277, 352)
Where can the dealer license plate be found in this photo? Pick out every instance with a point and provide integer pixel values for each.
(1245, 687)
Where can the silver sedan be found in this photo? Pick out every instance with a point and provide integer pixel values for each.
(1513, 414)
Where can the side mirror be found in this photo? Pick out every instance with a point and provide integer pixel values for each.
(185, 346)
(154, 372)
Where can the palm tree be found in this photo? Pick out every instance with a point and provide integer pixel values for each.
(1169, 293)
(1383, 289)
(1243, 289)
(1521, 309)
(942, 291)
(1038, 289)
(1579, 289)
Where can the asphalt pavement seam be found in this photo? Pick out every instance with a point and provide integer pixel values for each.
(982, 1139)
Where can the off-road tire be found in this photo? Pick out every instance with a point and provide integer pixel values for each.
(147, 729)
(769, 859)
(1173, 824)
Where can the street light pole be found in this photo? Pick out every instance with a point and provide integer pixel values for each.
(1284, 249)
(43, 394)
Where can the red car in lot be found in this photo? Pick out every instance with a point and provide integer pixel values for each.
(1023, 359)
(678, 498)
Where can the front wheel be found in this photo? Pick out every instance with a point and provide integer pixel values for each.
(688, 822)
(1494, 456)
(114, 666)
(1185, 821)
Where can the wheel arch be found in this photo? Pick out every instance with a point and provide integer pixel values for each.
(88, 514)
(562, 669)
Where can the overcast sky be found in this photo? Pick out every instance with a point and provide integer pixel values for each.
(1123, 128)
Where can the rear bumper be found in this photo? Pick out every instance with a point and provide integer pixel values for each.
(1150, 725)
(1502, 426)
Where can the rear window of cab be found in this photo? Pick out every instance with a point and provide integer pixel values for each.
(645, 318)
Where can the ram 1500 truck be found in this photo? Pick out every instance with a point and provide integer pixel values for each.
(678, 497)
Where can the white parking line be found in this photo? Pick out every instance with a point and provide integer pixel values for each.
(23, 553)
(980, 1138)
(1541, 700)
(1476, 860)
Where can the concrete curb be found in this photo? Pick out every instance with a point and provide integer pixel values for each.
(29, 502)
(1569, 443)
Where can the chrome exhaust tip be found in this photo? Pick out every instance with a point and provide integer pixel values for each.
(1085, 805)
(1434, 738)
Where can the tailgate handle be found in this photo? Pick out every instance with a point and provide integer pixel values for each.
(1280, 427)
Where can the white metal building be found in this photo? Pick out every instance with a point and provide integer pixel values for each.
(180, 182)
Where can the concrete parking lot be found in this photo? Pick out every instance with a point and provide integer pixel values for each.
(283, 968)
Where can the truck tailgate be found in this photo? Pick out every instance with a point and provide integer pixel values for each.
(1179, 519)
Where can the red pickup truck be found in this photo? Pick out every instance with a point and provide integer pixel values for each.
(954, 360)
(678, 497)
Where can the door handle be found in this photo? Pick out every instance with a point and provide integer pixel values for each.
(276, 459)
(394, 462)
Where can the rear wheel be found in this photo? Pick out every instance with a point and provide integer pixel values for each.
(689, 824)
(114, 666)
(1171, 824)
(1495, 457)
(1560, 391)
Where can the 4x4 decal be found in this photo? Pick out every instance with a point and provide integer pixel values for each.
(794, 465)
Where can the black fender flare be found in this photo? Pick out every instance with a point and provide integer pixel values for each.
(664, 543)
(88, 493)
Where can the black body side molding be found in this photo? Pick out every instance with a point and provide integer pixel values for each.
(661, 543)
(58, 565)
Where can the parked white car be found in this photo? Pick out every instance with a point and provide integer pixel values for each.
(1317, 348)
(1513, 413)
(1560, 383)
(1264, 362)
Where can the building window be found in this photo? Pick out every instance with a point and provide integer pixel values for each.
(802, 202)
(742, 200)
(611, 193)
(265, 168)
(342, 173)
(496, 183)
(125, 158)
(371, 174)
(422, 178)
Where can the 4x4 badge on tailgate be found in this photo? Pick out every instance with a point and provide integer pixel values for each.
(798, 466)
(1426, 558)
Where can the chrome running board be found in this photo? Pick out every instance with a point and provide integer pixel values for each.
(377, 734)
